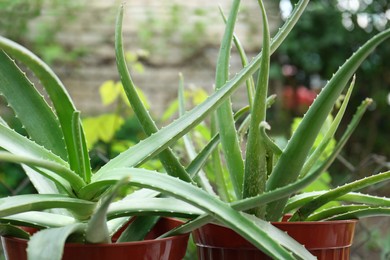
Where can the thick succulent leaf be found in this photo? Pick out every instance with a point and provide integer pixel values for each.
(57, 172)
(224, 115)
(250, 84)
(48, 244)
(343, 140)
(167, 158)
(153, 206)
(57, 92)
(256, 152)
(315, 156)
(38, 219)
(138, 229)
(259, 200)
(97, 229)
(148, 148)
(35, 202)
(114, 225)
(351, 197)
(284, 239)
(198, 198)
(20, 145)
(81, 166)
(310, 207)
(298, 147)
(11, 230)
(330, 213)
(363, 213)
(33, 112)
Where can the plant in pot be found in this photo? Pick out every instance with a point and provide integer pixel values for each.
(80, 213)
(75, 204)
(265, 183)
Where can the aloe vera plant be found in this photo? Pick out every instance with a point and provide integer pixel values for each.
(74, 199)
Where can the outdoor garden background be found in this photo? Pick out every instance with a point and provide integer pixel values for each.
(166, 37)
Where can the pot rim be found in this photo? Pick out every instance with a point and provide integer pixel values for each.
(133, 243)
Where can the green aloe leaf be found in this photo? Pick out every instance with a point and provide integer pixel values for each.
(153, 206)
(34, 113)
(48, 244)
(15, 143)
(335, 212)
(363, 213)
(250, 84)
(224, 115)
(283, 238)
(315, 156)
(35, 202)
(310, 207)
(167, 158)
(150, 147)
(20, 145)
(58, 95)
(256, 152)
(138, 229)
(351, 197)
(38, 219)
(60, 174)
(97, 229)
(83, 166)
(11, 230)
(298, 147)
(198, 198)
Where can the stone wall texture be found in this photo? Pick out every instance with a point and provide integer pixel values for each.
(169, 30)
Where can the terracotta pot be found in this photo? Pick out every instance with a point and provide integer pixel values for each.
(171, 248)
(327, 240)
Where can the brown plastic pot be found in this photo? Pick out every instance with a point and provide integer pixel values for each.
(171, 248)
(327, 240)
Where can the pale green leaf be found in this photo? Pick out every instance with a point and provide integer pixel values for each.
(48, 244)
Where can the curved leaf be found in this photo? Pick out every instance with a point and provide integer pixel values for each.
(151, 146)
(97, 229)
(363, 213)
(256, 152)
(57, 92)
(48, 244)
(35, 202)
(33, 112)
(39, 219)
(198, 198)
(11, 230)
(56, 170)
(307, 209)
(167, 158)
(153, 206)
(138, 229)
(224, 115)
(298, 147)
(20, 145)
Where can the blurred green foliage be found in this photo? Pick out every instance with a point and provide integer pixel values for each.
(48, 17)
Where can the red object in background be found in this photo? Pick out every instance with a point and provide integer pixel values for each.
(299, 98)
(305, 96)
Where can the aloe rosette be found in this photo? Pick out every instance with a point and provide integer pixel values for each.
(72, 199)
